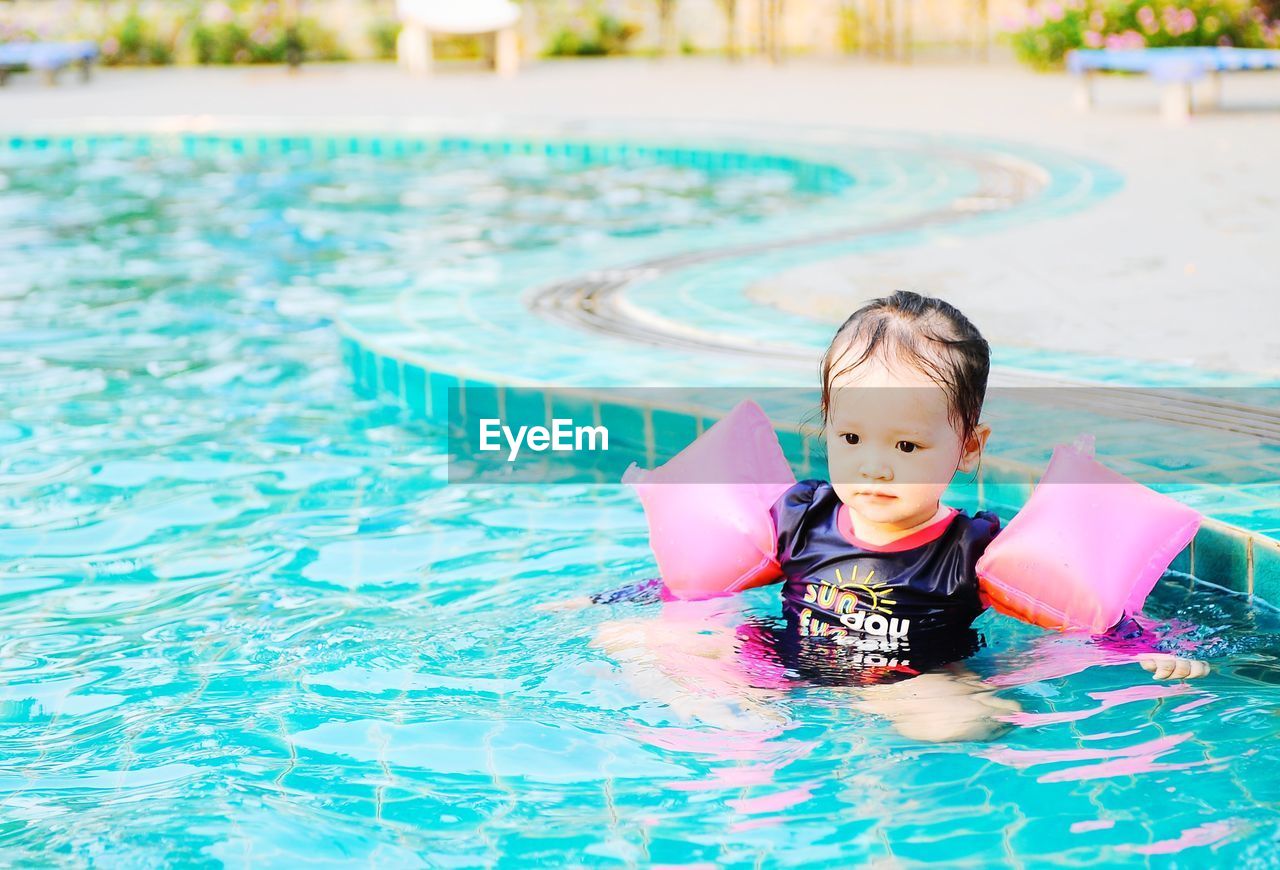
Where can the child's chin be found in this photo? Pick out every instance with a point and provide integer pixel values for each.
(881, 510)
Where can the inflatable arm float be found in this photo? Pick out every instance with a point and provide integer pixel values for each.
(1085, 550)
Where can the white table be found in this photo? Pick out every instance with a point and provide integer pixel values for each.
(421, 20)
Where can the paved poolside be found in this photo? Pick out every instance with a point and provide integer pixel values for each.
(1177, 267)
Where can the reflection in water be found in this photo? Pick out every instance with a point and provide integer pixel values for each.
(743, 712)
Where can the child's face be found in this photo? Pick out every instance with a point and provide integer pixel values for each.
(891, 448)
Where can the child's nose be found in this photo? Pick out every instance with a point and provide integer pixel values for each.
(874, 468)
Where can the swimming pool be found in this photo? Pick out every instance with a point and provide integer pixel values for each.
(246, 622)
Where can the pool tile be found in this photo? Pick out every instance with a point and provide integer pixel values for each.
(415, 389)
(1262, 520)
(1221, 556)
(706, 421)
(524, 406)
(672, 432)
(367, 381)
(350, 353)
(444, 395)
(580, 408)
(625, 423)
(1182, 561)
(961, 494)
(480, 401)
(1266, 570)
(793, 447)
(1005, 486)
(1236, 475)
(390, 380)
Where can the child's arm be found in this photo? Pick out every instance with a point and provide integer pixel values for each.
(784, 513)
(648, 591)
(1131, 636)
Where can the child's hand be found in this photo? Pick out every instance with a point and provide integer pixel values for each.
(565, 605)
(1167, 667)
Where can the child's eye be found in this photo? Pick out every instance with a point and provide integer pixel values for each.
(850, 438)
(907, 446)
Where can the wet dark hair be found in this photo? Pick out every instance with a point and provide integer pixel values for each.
(922, 331)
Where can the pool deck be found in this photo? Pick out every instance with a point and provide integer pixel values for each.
(1171, 272)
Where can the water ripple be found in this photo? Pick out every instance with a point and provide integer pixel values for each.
(243, 620)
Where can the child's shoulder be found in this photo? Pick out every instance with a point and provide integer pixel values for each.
(804, 493)
(806, 490)
(980, 525)
(804, 504)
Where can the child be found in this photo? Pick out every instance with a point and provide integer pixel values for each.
(874, 557)
(880, 581)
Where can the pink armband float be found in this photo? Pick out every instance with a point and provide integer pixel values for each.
(1086, 549)
(708, 508)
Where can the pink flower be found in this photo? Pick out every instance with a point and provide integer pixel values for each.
(218, 12)
(1092, 39)
(110, 45)
(1133, 39)
(1097, 20)
(1178, 21)
(1053, 10)
(1034, 18)
(1147, 19)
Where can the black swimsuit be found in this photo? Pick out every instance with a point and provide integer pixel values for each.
(834, 582)
(881, 612)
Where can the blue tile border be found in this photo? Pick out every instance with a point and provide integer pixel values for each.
(1265, 564)
(1220, 554)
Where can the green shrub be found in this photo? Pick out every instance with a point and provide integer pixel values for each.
(1053, 28)
(264, 39)
(608, 35)
(224, 42)
(319, 43)
(135, 40)
(383, 33)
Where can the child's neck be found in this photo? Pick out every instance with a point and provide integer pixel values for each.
(881, 534)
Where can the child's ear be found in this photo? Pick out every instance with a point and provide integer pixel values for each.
(973, 448)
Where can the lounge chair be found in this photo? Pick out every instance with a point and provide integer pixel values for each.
(47, 57)
(422, 19)
(1175, 68)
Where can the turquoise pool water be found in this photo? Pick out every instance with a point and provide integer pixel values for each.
(244, 622)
